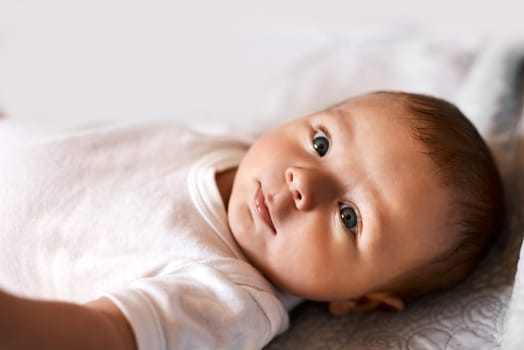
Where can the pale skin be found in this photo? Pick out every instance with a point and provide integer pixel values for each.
(323, 206)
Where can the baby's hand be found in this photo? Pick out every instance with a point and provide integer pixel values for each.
(35, 324)
(368, 302)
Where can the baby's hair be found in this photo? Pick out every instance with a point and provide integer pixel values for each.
(467, 169)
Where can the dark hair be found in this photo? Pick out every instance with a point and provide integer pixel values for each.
(467, 169)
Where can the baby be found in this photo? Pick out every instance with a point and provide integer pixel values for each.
(370, 203)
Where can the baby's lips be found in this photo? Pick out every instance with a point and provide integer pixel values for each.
(262, 209)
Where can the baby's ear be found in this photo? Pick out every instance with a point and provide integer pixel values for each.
(366, 302)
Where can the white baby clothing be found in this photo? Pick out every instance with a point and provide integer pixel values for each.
(133, 213)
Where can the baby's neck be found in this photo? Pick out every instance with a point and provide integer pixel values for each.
(224, 180)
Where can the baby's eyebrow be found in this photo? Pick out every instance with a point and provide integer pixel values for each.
(339, 125)
(340, 113)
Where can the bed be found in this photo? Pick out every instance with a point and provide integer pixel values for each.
(51, 79)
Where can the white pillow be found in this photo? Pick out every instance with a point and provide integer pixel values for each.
(491, 97)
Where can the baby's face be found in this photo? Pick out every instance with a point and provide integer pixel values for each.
(334, 205)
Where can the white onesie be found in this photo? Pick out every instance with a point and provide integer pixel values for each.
(133, 213)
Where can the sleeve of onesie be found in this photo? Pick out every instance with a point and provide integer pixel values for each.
(199, 307)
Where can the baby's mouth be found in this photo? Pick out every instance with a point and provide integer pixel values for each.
(262, 209)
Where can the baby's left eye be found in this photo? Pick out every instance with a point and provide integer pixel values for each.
(320, 143)
(349, 217)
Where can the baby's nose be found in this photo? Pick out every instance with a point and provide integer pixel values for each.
(303, 185)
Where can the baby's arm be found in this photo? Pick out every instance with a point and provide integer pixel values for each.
(33, 324)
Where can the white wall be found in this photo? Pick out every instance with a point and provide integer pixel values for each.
(118, 59)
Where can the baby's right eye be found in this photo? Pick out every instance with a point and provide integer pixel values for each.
(349, 217)
(320, 143)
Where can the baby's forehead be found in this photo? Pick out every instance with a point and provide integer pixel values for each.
(377, 99)
(375, 135)
(370, 109)
(371, 113)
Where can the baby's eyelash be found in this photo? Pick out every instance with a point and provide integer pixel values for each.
(323, 130)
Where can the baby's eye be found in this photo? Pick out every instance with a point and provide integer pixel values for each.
(320, 143)
(349, 217)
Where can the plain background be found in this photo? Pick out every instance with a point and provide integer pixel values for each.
(83, 61)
